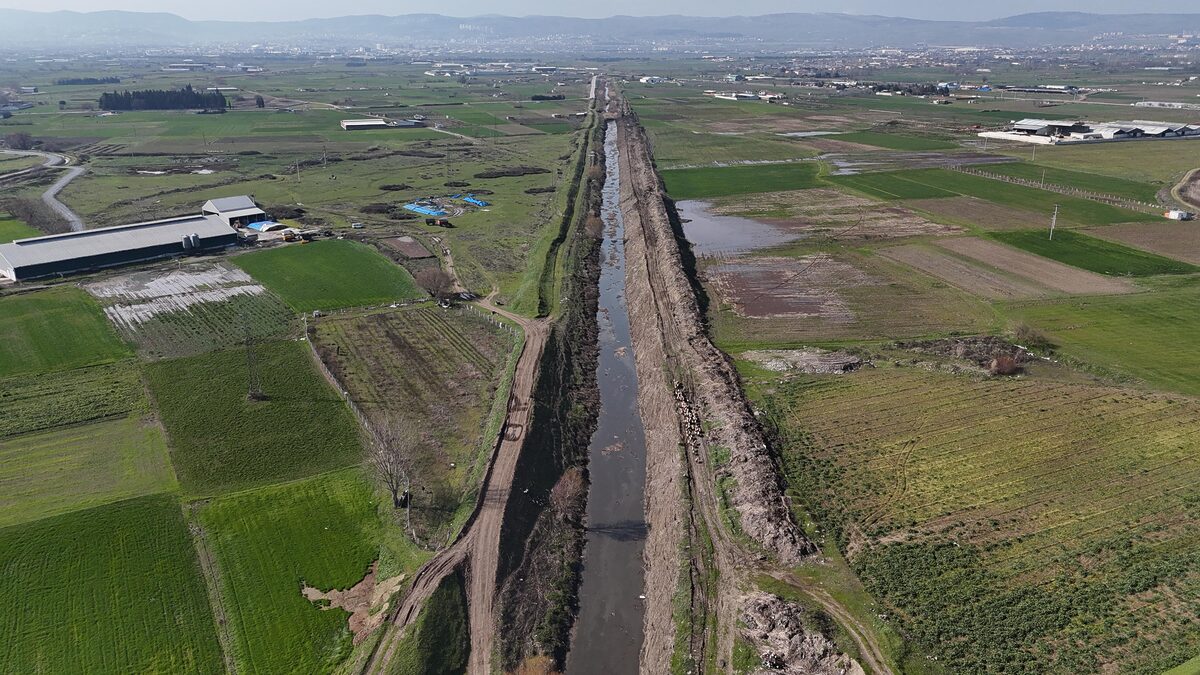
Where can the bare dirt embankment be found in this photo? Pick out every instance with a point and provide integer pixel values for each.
(689, 395)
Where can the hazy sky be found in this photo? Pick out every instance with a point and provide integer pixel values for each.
(303, 9)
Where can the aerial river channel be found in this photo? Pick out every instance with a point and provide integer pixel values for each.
(608, 631)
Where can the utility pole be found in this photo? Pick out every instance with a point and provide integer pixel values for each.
(324, 157)
(297, 171)
(1034, 154)
(1043, 179)
(1053, 222)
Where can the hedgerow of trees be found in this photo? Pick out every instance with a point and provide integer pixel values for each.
(88, 80)
(162, 99)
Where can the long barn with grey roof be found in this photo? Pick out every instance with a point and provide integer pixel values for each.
(71, 252)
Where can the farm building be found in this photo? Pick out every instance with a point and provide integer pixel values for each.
(379, 123)
(238, 211)
(111, 246)
(1057, 131)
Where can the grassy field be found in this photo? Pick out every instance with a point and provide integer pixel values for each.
(330, 275)
(48, 400)
(411, 366)
(56, 329)
(11, 228)
(54, 472)
(1157, 163)
(1093, 254)
(896, 141)
(1091, 182)
(113, 589)
(222, 441)
(933, 183)
(1142, 336)
(269, 543)
(1016, 526)
(732, 180)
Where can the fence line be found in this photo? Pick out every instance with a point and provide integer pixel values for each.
(1111, 200)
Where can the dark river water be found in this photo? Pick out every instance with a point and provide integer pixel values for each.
(608, 631)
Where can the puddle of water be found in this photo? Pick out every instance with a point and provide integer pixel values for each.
(810, 134)
(716, 236)
(608, 631)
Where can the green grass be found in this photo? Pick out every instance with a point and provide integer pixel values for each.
(933, 183)
(11, 229)
(268, 543)
(36, 402)
(54, 472)
(1146, 336)
(1090, 182)
(114, 589)
(222, 441)
(439, 641)
(896, 141)
(1093, 254)
(733, 180)
(1192, 667)
(330, 275)
(56, 329)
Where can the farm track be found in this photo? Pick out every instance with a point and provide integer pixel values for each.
(50, 196)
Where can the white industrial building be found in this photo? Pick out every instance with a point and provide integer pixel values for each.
(72, 252)
(1055, 132)
(235, 212)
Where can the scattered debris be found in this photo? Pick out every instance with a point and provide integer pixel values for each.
(811, 361)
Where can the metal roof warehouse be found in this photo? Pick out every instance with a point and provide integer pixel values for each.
(108, 246)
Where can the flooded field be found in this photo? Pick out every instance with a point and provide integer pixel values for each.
(608, 631)
(713, 235)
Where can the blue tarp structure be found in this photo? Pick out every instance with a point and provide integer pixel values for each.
(476, 202)
(427, 210)
(266, 226)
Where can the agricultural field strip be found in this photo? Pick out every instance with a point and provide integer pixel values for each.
(1131, 437)
(967, 274)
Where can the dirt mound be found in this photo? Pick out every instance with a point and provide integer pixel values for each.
(512, 172)
(776, 628)
(980, 350)
(540, 190)
(808, 361)
(360, 599)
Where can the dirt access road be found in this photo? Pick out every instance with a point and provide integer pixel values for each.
(478, 546)
(710, 411)
(50, 196)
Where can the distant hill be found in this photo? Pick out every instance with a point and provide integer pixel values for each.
(75, 30)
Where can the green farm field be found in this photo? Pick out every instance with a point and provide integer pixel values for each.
(222, 441)
(438, 643)
(1090, 182)
(270, 542)
(1032, 526)
(1090, 253)
(55, 329)
(405, 367)
(1156, 163)
(896, 141)
(934, 183)
(48, 400)
(11, 228)
(1145, 337)
(112, 589)
(732, 180)
(330, 275)
(53, 472)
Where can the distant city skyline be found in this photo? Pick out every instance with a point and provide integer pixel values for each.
(286, 10)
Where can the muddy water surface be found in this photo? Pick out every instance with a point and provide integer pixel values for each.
(608, 631)
(713, 235)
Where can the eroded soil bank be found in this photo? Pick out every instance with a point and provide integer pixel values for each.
(608, 634)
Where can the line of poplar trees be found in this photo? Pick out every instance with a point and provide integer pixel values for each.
(164, 99)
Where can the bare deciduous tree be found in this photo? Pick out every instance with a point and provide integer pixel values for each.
(436, 281)
(19, 140)
(392, 453)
